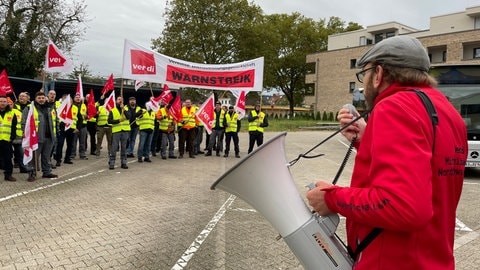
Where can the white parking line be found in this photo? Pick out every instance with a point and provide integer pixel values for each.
(45, 187)
(188, 254)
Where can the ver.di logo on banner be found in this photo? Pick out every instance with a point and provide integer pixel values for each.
(143, 62)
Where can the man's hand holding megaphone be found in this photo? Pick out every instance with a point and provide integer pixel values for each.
(316, 198)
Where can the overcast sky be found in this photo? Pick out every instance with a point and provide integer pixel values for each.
(142, 20)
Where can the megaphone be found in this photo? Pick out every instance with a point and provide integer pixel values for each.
(263, 180)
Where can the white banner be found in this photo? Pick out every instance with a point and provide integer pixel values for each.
(143, 64)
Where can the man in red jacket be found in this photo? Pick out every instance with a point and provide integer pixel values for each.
(408, 173)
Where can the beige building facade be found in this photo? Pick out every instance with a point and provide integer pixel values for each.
(453, 39)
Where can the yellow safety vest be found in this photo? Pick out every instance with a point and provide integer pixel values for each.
(6, 126)
(253, 126)
(189, 118)
(147, 121)
(231, 122)
(166, 121)
(102, 119)
(123, 125)
(37, 120)
(222, 117)
(18, 114)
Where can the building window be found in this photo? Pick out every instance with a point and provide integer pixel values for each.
(477, 23)
(363, 41)
(378, 37)
(476, 53)
(390, 34)
(444, 56)
(352, 87)
(369, 41)
(430, 57)
(353, 63)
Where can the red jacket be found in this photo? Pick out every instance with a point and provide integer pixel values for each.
(399, 186)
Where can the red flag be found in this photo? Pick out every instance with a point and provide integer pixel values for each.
(79, 90)
(110, 102)
(5, 85)
(64, 112)
(240, 105)
(166, 96)
(55, 61)
(176, 109)
(139, 84)
(91, 108)
(30, 139)
(108, 85)
(205, 113)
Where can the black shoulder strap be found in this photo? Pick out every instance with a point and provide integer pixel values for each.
(376, 231)
(431, 112)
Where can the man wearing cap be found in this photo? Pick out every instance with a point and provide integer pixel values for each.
(232, 126)
(408, 173)
(132, 136)
(257, 121)
(218, 128)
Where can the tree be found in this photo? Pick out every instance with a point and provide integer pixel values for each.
(26, 26)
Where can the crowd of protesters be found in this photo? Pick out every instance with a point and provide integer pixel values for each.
(60, 142)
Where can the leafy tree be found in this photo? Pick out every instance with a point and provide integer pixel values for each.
(26, 26)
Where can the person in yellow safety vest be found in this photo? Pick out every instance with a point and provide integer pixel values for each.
(17, 141)
(187, 130)
(92, 124)
(104, 129)
(8, 130)
(119, 119)
(51, 96)
(45, 119)
(146, 124)
(232, 126)
(257, 121)
(167, 132)
(218, 129)
(81, 136)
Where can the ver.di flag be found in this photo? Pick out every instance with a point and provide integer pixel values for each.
(30, 139)
(110, 102)
(55, 61)
(79, 90)
(240, 103)
(5, 85)
(205, 113)
(64, 112)
(143, 64)
(108, 85)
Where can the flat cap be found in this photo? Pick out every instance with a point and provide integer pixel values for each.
(400, 51)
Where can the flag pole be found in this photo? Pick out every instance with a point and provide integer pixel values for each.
(43, 80)
(151, 89)
(121, 88)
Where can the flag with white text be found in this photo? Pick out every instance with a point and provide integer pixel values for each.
(205, 113)
(240, 107)
(55, 61)
(143, 64)
(64, 112)
(110, 102)
(5, 85)
(79, 90)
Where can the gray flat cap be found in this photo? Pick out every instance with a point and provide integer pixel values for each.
(400, 51)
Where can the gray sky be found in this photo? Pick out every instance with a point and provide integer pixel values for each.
(142, 20)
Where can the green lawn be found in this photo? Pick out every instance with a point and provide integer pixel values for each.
(288, 124)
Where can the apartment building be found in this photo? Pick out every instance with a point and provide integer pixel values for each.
(452, 40)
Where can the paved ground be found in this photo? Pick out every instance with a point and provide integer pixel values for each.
(163, 215)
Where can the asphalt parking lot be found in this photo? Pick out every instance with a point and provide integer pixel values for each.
(163, 215)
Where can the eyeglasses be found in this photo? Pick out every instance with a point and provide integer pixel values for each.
(362, 73)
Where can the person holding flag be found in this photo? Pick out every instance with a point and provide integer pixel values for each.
(8, 128)
(79, 113)
(66, 127)
(218, 128)
(104, 129)
(92, 121)
(167, 131)
(45, 119)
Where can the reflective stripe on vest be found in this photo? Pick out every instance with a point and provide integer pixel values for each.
(6, 126)
(231, 122)
(147, 121)
(254, 125)
(189, 117)
(102, 119)
(122, 126)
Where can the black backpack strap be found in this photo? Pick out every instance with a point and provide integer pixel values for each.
(431, 112)
(376, 231)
